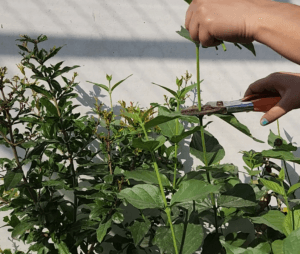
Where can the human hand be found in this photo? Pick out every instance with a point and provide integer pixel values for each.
(213, 21)
(285, 84)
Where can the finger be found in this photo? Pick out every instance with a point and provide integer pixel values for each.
(188, 17)
(281, 108)
(261, 86)
(207, 40)
(194, 29)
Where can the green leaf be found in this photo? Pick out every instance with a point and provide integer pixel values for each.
(291, 222)
(174, 93)
(102, 230)
(143, 196)
(188, 238)
(165, 118)
(252, 159)
(272, 218)
(280, 154)
(188, 1)
(293, 188)
(277, 247)
(149, 145)
(117, 217)
(22, 227)
(273, 186)
(241, 195)
(63, 70)
(185, 90)
(214, 151)
(281, 175)
(285, 146)
(193, 190)
(232, 120)
(58, 184)
(139, 230)
(100, 85)
(252, 172)
(250, 47)
(291, 244)
(12, 179)
(49, 106)
(62, 248)
(28, 144)
(41, 91)
(230, 168)
(118, 83)
(183, 135)
(185, 34)
(262, 248)
(169, 128)
(146, 176)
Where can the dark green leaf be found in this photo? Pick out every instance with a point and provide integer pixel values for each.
(183, 135)
(49, 106)
(193, 190)
(12, 179)
(285, 146)
(214, 151)
(280, 154)
(188, 1)
(143, 196)
(146, 176)
(232, 120)
(188, 238)
(117, 217)
(22, 227)
(139, 230)
(165, 118)
(62, 248)
(273, 186)
(241, 195)
(250, 47)
(102, 230)
(118, 83)
(169, 128)
(262, 248)
(272, 218)
(150, 145)
(64, 70)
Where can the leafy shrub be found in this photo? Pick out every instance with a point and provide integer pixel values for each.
(129, 193)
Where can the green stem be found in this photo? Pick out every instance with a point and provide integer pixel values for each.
(285, 198)
(278, 128)
(167, 210)
(176, 145)
(212, 196)
(284, 162)
(198, 77)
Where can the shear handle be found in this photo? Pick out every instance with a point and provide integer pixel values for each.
(262, 102)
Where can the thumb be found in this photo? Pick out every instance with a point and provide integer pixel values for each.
(281, 108)
(272, 115)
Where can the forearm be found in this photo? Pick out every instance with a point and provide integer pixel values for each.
(278, 27)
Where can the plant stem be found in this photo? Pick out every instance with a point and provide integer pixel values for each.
(198, 77)
(284, 162)
(212, 196)
(167, 210)
(285, 198)
(176, 145)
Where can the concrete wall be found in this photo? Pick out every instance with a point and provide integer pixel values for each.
(124, 37)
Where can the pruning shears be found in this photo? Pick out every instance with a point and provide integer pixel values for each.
(254, 102)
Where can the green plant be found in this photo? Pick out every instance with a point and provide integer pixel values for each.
(128, 191)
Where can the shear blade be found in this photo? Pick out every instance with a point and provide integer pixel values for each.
(205, 110)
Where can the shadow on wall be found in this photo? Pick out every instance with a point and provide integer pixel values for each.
(104, 48)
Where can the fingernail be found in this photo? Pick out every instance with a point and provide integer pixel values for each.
(264, 122)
